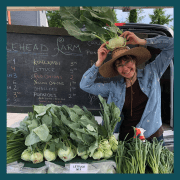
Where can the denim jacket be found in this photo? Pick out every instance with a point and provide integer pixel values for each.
(149, 82)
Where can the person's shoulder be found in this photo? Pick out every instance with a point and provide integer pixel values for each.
(116, 83)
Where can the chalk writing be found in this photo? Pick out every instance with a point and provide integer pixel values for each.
(13, 67)
(40, 76)
(73, 63)
(40, 83)
(42, 98)
(67, 49)
(44, 94)
(88, 52)
(92, 98)
(46, 83)
(92, 43)
(13, 75)
(72, 70)
(44, 69)
(46, 62)
(26, 47)
(56, 83)
(44, 89)
(71, 77)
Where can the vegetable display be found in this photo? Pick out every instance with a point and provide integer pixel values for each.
(91, 23)
(51, 132)
(138, 157)
(15, 144)
(59, 131)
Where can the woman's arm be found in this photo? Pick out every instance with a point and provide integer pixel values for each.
(166, 44)
(87, 82)
(162, 61)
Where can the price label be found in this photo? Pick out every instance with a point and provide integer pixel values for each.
(78, 167)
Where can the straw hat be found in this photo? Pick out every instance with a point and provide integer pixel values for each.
(141, 54)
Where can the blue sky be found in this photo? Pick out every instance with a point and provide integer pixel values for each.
(123, 15)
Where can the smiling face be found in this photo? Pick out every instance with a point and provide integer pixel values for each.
(126, 67)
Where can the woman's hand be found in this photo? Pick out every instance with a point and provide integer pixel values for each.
(102, 54)
(132, 38)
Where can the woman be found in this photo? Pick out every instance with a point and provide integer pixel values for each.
(138, 94)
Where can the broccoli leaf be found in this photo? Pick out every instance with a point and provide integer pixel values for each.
(75, 31)
(81, 147)
(110, 115)
(42, 132)
(85, 121)
(31, 139)
(104, 14)
(70, 13)
(93, 147)
(40, 110)
(33, 125)
(77, 110)
(47, 120)
(92, 26)
(100, 9)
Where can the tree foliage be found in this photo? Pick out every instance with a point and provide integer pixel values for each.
(54, 19)
(133, 16)
(140, 17)
(159, 17)
(115, 14)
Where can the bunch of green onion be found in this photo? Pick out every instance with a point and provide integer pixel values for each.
(138, 157)
(15, 145)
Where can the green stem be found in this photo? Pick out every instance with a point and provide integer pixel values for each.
(45, 147)
(118, 30)
(103, 40)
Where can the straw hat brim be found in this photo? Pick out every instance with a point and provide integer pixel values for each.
(141, 54)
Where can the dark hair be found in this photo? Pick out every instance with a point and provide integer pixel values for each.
(126, 58)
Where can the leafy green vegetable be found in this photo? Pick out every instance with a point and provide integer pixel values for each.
(166, 164)
(34, 124)
(61, 128)
(92, 23)
(138, 157)
(40, 110)
(47, 120)
(32, 138)
(83, 130)
(110, 114)
(15, 144)
(42, 131)
(154, 155)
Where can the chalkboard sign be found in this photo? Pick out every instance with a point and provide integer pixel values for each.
(45, 65)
